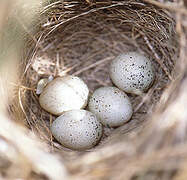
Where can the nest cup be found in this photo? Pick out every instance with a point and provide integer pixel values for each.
(82, 39)
(84, 42)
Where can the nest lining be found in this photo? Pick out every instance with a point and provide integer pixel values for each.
(81, 39)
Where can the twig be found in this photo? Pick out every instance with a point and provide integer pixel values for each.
(57, 66)
(22, 108)
(83, 14)
(157, 57)
(144, 99)
(21, 86)
(34, 53)
(93, 65)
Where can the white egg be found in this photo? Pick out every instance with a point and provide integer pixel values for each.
(63, 94)
(111, 106)
(132, 72)
(77, 129)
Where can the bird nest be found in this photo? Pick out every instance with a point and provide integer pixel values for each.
(81, 38)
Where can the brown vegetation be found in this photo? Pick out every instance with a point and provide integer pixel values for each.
(81, 37)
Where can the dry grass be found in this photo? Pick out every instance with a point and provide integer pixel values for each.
(81, 38)
(85, 40)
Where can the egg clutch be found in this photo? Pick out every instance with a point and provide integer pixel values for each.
(109, 106)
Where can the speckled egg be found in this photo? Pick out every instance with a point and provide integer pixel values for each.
(132, 72)
(64, 94)
(77, 129)
(111, 106)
